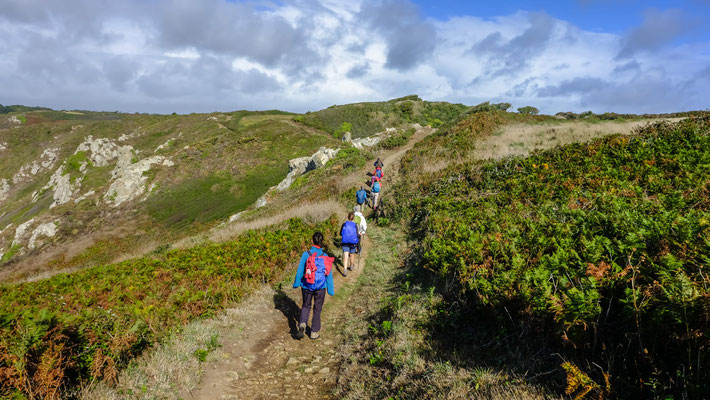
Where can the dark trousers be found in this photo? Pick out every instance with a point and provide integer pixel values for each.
(317, 298)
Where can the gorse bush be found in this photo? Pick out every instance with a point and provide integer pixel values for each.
(399, 139)
(87, 325)
(603, 247)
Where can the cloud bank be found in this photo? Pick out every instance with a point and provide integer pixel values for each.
(215, 55)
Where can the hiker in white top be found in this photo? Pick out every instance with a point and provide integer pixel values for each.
(361, 223)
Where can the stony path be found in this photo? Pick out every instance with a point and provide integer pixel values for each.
(263, 360)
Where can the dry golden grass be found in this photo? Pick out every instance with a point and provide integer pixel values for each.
(309, 212)
(522, 139)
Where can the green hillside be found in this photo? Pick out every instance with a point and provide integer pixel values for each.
(366, 119)
(586, 259)
(199, 169)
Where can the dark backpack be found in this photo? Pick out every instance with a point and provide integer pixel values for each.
(318, 267)
(349, 232)
(361, 196)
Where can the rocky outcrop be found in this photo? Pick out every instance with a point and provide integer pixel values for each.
(21, 231)
(366, 142)
(4, 188)
(101, 151)
(3, 146)
(129, 181)
(301, 165)
(62, 186)
(14, 120)
(321, 157)
(46, 161)
(44, 230)
(347, 137)
(84, 196)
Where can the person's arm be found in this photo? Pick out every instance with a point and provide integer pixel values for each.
(301, 270)
(329, 283)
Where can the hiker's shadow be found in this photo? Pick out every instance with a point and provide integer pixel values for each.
(290, 310)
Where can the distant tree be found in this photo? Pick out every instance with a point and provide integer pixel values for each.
(528, 110)
(345, 127)
(503, 106)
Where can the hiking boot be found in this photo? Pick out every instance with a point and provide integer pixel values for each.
(301, 331)
(315, 335)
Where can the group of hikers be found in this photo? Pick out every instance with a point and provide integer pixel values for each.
(314, 275)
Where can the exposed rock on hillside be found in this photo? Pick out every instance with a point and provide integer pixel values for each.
(47, 230)
(101, 150)
(4, 188)
(129, 181)
(3, 146)
(45, 162)
(322, 156)
(62, 186)
(21, 231)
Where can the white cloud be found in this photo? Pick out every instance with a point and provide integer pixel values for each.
(178, 55)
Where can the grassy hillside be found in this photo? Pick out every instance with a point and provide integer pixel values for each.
(202, 169)
(587, 259)
(366, 119)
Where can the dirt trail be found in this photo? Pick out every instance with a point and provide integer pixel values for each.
(262, 359)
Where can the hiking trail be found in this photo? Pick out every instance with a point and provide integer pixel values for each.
(261, 359)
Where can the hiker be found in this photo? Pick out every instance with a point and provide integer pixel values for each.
(361, 196)
(378, 174)
(379, 163)
(359, 219)
(376, 187)
(313, 277)
(350, 235)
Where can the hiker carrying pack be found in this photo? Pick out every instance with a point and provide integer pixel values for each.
(378, 163)
(378, 172)
(375, 193)
(314, 277)
(350, 235)
(361, 196)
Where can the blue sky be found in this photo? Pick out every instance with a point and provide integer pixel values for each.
(612, 16)
(216, 55)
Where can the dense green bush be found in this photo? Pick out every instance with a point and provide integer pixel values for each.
(370, 118)
(399, 139)
(530, 110)
(602, 247)
(57, 332)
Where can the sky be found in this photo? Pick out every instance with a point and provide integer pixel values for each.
(185, 56)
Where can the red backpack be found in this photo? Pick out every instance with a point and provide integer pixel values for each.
(317, 268)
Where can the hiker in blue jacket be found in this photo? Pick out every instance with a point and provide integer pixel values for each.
(351, 236)
(361, 196)
(312, 293)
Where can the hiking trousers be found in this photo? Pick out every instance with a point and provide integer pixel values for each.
(315, 297)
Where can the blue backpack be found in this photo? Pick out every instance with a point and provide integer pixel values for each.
(349, 232)
(378, 173)
(376, 187)
(361, 196)
(317, 269)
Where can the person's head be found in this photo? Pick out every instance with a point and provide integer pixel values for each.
(351, 216)
(356, 209)
(318, 239)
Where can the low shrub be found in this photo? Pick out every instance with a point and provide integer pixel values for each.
(599, 247)
(86, 325)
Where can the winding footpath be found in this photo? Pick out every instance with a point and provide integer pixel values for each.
(262, 359)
